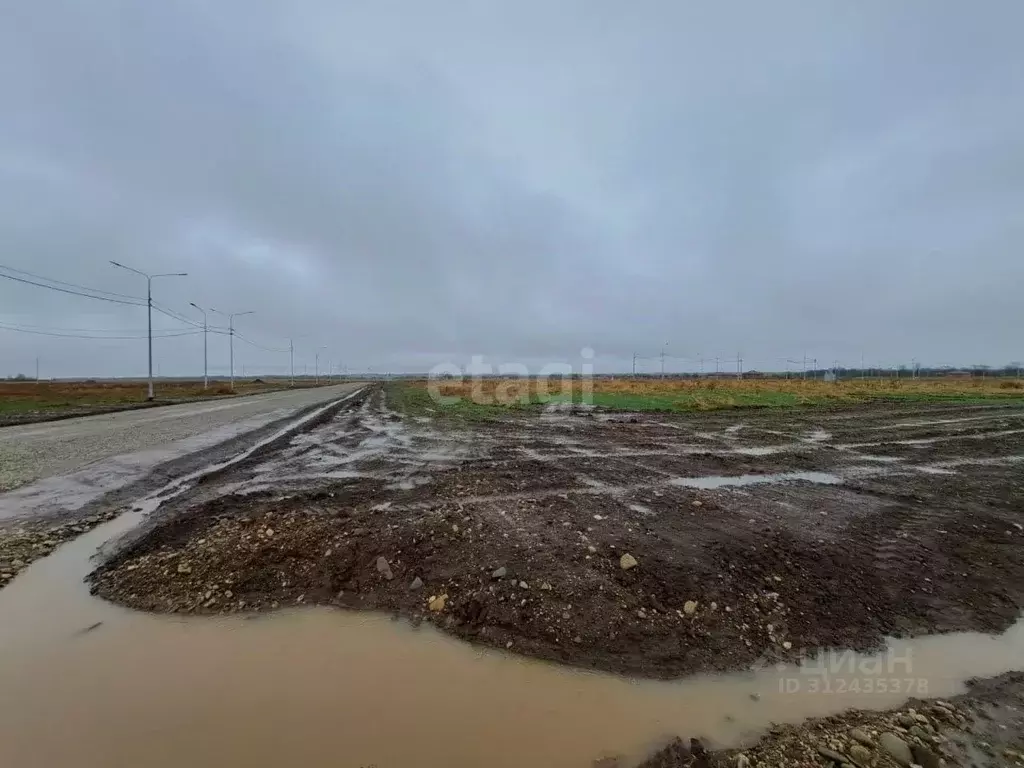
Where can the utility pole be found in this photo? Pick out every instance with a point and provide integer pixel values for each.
(149, 308)
(231, 333)
(805, 365)
(717, 371)
(634, 365)
(663, 360)
(206, 365)
(291, 353)
(317, 368)
(739, 366)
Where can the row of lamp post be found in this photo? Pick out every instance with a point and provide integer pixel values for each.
(206, 328)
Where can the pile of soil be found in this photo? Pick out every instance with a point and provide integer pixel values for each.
(984, 727)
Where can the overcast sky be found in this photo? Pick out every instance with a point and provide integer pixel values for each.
(407, 183)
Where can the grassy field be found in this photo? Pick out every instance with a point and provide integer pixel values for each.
(53, 397)
(485, 398)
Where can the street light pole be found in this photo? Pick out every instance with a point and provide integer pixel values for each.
(149, 308)
(317, 368)
(231, 334)
(206, 365)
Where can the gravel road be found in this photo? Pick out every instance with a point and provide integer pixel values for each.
(86, 456)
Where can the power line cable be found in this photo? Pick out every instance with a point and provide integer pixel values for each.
(70, 285)
(71, 335)
(258, 346)
(176, 315)
(141, 332)
(141, 303)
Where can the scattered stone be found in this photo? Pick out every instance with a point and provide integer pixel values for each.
(742, 761)
(896, 748)
(755, 697)
(627, 561)
(436, 604)
(416, 585)
(697, 503)
(906, 720)
(787, 645)
(859, 734)
(500, 573)
(860, 754)
(184, 568)
(523, 585)
(831, 754)
(384, 568)
(690, 607)
(545, 586)
(925, 757)
(269, 532)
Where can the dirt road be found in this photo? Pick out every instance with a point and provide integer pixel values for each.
(651, 545)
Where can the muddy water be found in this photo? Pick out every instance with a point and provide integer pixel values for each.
(319, 687)
(722, 481)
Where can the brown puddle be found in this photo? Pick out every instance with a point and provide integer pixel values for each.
(321, 687)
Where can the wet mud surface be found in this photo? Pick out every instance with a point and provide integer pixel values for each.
(984, 728)
(651, 545)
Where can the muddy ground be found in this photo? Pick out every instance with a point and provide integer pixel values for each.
(984, 728)
(654, 545)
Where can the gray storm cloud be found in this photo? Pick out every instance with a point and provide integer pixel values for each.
(408, 183)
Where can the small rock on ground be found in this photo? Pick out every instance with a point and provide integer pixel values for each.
(896, 748)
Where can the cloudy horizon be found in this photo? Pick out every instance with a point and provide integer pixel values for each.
(398, 184)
